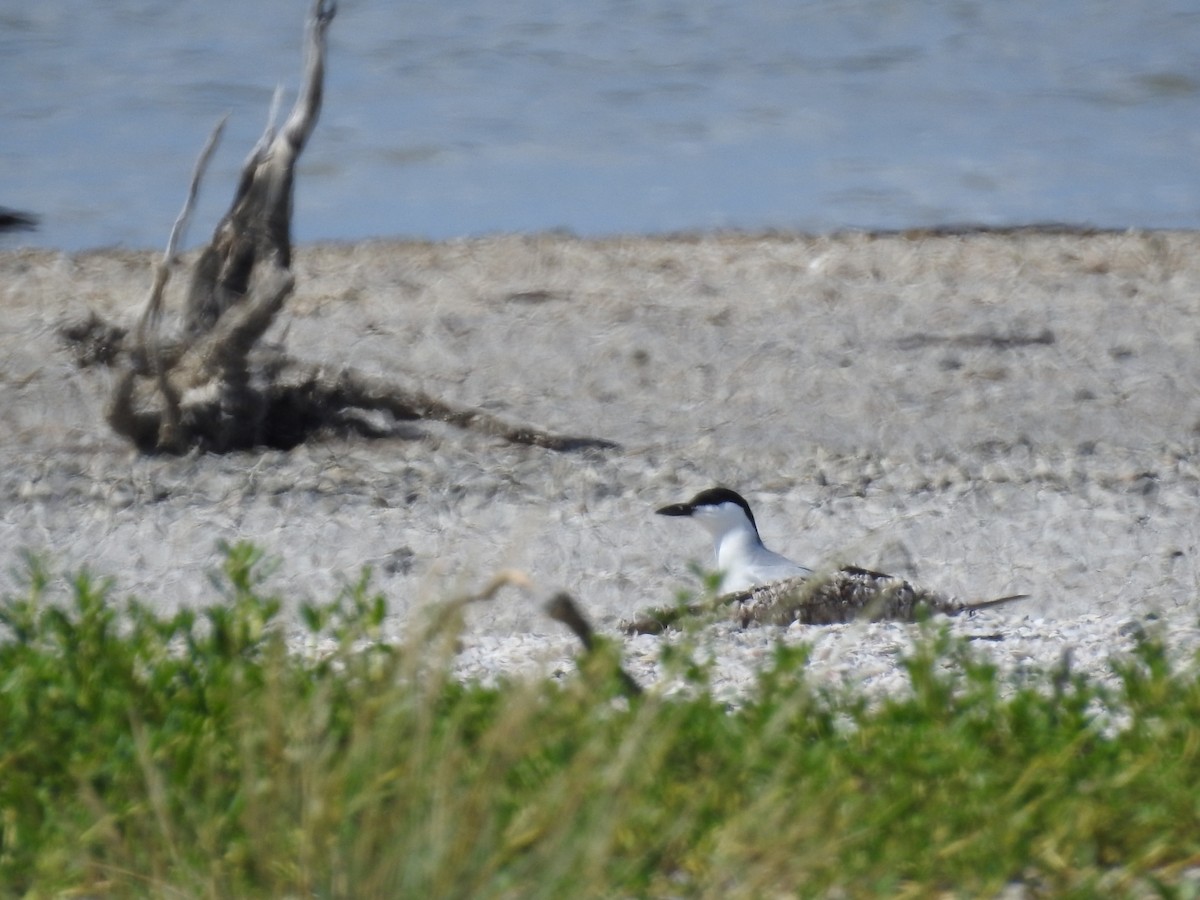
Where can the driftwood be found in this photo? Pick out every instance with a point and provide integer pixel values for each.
(848, 595)
(214, 387)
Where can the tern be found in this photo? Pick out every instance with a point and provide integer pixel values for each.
(742, 558)
(767, 587)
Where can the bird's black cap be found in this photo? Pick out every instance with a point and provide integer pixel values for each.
(711, 497)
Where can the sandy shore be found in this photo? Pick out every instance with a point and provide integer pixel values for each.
(986, 413)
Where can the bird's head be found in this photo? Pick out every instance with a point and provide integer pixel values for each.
(720, 510)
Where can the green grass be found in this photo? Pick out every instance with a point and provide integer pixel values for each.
(193, 755)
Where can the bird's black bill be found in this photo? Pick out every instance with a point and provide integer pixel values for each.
(675, 509)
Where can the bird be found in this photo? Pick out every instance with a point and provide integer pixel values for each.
(15, 220)
(763, 586)
(742, 558)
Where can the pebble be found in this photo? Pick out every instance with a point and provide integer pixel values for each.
(866, 656)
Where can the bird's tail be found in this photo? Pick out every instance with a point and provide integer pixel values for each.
(975, 606)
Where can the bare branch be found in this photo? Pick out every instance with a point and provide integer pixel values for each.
(562, 608)
(352, 388)
(304, 115)
(225, 349)
(268, 135)
(148, 347)
(258, 224)
(179, 230)
(148, 323)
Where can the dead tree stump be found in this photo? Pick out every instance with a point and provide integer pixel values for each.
(213, 388)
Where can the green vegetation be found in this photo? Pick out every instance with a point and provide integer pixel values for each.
(194, 755)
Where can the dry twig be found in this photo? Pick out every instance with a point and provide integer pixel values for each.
(562, 608)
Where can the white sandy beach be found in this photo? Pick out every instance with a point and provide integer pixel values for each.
(983, 413)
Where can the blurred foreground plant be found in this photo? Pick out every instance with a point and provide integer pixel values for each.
(193, 752)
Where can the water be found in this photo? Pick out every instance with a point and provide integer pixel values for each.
(458, 118)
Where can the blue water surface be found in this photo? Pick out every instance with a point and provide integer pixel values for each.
(445, 119)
